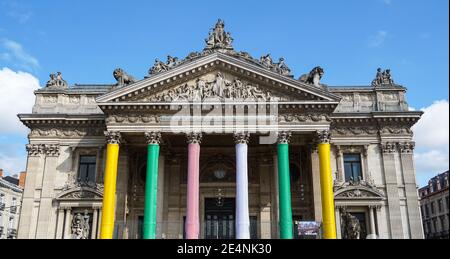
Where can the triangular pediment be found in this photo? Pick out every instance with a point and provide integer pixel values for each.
(221, 76)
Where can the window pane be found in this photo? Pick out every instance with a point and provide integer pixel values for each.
(348, 171)
(356, 171)
(352, 158)
(88, 159)
(87, 168)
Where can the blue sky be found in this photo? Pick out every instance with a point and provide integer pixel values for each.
(87, 40)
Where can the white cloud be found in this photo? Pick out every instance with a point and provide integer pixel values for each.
(16, 96)
(433, 128)
(15, 53)
(13, 164)
(431, 135)
(378, 39)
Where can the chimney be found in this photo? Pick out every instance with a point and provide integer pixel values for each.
(1, 173)
(22, 177)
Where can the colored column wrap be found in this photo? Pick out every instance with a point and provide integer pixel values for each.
(284, 183)
(151, 192)
(109, 195)
(326, 183)
(192, 210)
(242, 214)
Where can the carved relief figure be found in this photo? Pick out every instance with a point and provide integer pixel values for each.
(80, 226)
(351, 227)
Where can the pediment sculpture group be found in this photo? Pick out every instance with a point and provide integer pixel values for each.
(220, 88)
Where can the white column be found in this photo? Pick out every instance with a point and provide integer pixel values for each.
(242, 213)
(60, 224)
(94, 224)
(67, 223)
(99, 222)
(372, 222)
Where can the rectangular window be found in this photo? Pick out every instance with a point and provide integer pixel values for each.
(87, 169)
(11, 223)
(427, 210)
(432, 207)
(440, 205)
(352, 167)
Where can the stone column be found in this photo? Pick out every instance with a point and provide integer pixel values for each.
(326, 183)
(315, 173)
(60, 224)
(388, 150)
(284, 182)
(193, 185)
(275, 197)
(373, 231)
(110, 182)
(68, 224)
(94, 224)
(412, 199)
(242, 213)
(151, 185)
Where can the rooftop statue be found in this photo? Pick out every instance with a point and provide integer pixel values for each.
(383, 78)
(218, 38)
(122, 77)
(280, 67)
(313, 78)
(56, 81)
(160, 66)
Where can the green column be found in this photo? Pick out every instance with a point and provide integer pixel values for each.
(151, 187)
(284, 188)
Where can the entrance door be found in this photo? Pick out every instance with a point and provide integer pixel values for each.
(219, 218)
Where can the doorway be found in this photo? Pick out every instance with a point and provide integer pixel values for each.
(220, 218)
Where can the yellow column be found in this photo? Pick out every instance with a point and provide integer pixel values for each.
(110, 179)
(326, 183)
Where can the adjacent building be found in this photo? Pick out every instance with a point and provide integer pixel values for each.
(11, 190)
(434, 205)
(220, 144)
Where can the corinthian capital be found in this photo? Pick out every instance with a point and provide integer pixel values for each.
(43, 149)
(153, 138)
(113, 137)
(194, 138)
(241, 138)
(35, 149)
(323, 136)
(406, 147)
(388, 147)
(284, 137)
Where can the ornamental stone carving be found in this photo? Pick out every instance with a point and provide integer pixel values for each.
(133, 119)
(43, 149)
(396, 130)
(56, 81)
(323, 137)
(284, 137)
(153, 138)
(354, 131)
(160, 66)
(194, 138)
(388, 147)
(80, 226)
(66, 132)
(241, 138)
(314, 77)
(406, 147)
(313, 117)
(280, 67)
(113, 137)
(218, 38)
(383, 78)
(351, 228)
(122, 77)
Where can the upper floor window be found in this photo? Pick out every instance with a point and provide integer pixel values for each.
(440, 205)
(427, 210)
(432, 207)
(352, 167)
(446, 201)
(86, 172)
(2, 199)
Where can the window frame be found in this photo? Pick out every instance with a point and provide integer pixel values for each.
(360, 162)
(80, 163)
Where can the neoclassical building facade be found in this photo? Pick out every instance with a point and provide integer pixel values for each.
(220, 145)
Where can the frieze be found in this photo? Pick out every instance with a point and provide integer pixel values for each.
(74, 132)
(43, 149)
(396, 130)
(313, 117)
(133, 119)
(354, 131)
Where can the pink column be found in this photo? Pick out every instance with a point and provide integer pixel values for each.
(193, 182)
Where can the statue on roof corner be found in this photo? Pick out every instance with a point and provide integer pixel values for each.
(313, 78)
(218, 38)
(56, 81)
(122, 77)
(383, 78)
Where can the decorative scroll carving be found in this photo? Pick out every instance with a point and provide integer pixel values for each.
(66, 132)
(406, 147)
(241, 138)
(56, 81)
(80, 226)
(357, 189)
(383, 78)
(352, 131)
(113, 137)
(396, 130)
(133, 119)
(153, 138)
(219, 88)
(284, 137)
(313, 117)
(43, 149)
(388, 147)
(194, 138)
(218, 38)
(122, 77)
(314, 77)
(323, 137)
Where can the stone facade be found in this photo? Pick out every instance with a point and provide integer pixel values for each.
(67, 125)
(434, 206)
